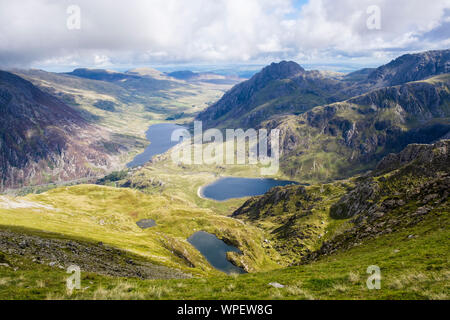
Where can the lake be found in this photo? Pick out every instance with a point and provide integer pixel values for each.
(159, 136)
(215, 251)
(146, 223)
(230, 188)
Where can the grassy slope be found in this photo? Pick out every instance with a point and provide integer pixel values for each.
(415, 268)
(412, 267)
(105, 214)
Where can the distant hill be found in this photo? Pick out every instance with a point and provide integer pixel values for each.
(101, 74)
(145, 83)
(149, 72)
(206, 77)
(182, 75)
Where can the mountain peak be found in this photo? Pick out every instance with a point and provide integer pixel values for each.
(281, 70)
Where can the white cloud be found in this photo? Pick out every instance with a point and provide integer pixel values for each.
(34, 32)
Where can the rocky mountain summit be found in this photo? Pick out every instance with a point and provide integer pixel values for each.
(279, 88)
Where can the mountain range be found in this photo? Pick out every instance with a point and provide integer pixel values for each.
(332, 125)
(287, 88)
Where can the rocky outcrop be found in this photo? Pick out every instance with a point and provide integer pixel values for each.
(418, 99)
(254, 207)
(62, 253)
(400, 193)
(416, 161)
(391, 215)
(288, 215)
(355, 201)
(423, 158)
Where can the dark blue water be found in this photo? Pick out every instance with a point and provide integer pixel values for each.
(159, 136)
(215, 251)
(230, 188)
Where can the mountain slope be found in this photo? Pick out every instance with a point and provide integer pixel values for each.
(306, 223)
(342, 139)
(403, 191)
(141, 96)
(141, 84)
(279, 88)
(401, 226)
(42, 139)
(411, 67)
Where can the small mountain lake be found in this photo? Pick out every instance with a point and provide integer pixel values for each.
(159, 136)
(215, 251)
(146, 223)
(230, 188)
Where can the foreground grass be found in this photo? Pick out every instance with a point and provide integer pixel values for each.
(109, 215)
(412, 268)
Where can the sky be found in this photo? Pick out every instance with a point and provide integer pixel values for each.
(52, 35)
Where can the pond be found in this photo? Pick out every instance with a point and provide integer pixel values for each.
(146, 223)
(159, 136)
(215, 251)
(230, 188)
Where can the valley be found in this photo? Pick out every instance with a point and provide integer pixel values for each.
(106, 107)
(368, 153)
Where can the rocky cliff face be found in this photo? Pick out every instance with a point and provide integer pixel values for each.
(404, 190)
(43, 140)
(416, 162)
